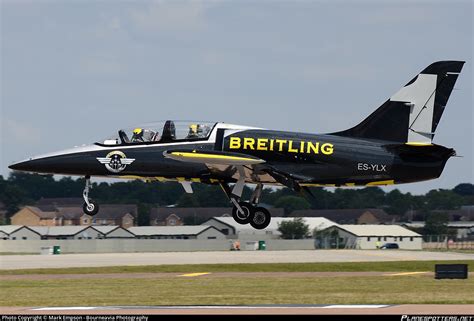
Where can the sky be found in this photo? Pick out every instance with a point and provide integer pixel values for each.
(74, 72)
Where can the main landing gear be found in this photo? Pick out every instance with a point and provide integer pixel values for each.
(248, 212)
(90, 207)
(258, 217)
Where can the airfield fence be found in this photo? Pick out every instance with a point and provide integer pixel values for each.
(448, 242)
(146, 245)
(141, 245)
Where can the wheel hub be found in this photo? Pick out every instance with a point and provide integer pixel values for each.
(259, 218)
(244, 214)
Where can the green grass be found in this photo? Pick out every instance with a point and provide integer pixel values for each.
(413, 289)
(173, 290)
(234, 291)
(399, 266)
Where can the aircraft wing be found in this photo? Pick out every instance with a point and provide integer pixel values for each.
(225, 163)
(212, 157)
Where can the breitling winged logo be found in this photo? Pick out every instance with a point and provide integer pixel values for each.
(115, 161)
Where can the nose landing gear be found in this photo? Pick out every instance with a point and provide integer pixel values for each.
(90, 207)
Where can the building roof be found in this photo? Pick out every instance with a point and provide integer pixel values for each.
(107, 229)
(465, 213)
(203, 213)
(72, 208)
(462, 214)
(458, 224)
(52, 204)
(377, 230)
(168, 230)
(344, 215)
(106, 211)
(60, 201)
(115, 211)
(461, 224)
(70, 212)
(10, 229)
(42, 214)
(161, 213)
(7, 229)
(314, 222)
(418, 224)
(59, 230)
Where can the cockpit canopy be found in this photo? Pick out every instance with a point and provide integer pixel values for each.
(161, 132)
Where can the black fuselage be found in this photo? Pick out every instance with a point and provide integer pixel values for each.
(309, 159)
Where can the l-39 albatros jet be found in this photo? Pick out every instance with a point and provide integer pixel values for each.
(393, 145)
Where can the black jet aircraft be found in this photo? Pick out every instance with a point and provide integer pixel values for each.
(391, 146)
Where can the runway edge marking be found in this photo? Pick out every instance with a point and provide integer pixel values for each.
(195, 274)
(356, 306)
(406, 273)
(211, 307)
(63, 308)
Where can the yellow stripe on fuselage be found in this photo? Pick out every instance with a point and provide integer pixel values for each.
(133, 177)
(388, 182)
(199, 155)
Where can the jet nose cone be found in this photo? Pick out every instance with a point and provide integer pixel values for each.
(22, 166)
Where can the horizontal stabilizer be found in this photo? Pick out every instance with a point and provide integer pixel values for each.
(212, 157)
(419, 152)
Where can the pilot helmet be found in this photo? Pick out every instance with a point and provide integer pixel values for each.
(193, 128)
(138, 132)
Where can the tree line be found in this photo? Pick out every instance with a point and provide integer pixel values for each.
(21, 189)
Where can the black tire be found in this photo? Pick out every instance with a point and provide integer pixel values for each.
(261, 218)
(247, 216)
(92, 209)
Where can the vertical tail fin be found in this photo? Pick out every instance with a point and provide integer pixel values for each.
(412, 114)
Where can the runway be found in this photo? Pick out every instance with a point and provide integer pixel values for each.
(213, 275)
(8, 262)
(327, 309)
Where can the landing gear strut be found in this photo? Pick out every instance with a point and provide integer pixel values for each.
(248, 212)
(90, 207)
